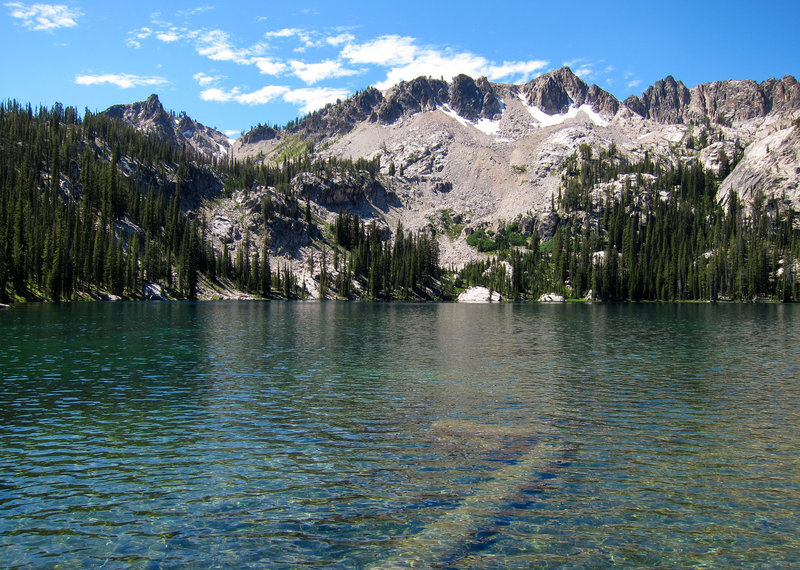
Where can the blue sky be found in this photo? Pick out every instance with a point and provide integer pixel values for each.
(232, 65)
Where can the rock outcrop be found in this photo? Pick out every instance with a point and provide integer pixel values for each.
(411, 97)
(557, 91)
(484, 152)
(149, 116)
(724, 102)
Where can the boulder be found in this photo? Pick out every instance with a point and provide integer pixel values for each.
(479, 295)
(154, 292)
(551, 298)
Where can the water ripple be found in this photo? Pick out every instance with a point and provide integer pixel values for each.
(252, 434)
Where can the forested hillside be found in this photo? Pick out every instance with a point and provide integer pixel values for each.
(642, 231)
(82, 214)
(92, 208)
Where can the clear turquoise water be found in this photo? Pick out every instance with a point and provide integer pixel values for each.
(347, 434)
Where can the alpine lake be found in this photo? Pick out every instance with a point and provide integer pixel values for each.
(283, 434)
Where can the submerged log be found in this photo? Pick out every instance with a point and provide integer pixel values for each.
(442, 539)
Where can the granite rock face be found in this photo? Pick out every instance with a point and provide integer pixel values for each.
(411, 97)
(149, 116)
(468, 153)
(725, 102)
(474, 100)
(557, 91)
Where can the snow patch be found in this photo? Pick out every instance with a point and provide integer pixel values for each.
(673, 133)
(188, 133)
(596, 118)
(486, 126)
(545, 120)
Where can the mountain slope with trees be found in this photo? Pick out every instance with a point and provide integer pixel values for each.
(413, 193)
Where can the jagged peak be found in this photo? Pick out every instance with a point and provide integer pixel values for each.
(669, 101)
(151, 117)
(556, 91)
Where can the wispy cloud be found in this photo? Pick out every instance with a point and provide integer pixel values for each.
(398, 57)
(311, 73)
(308, 99)
(269, 66)
(121, 80)
(261, 96)
(135, 38)
(204, 80)
(216, 45)
(339, 39)
(405, 60)
(193, 11)
(524, 70)
(311, 99)
(386, 50)
(284, 33)
(44, 17)
(633, 83)
(582, 67)
(169, 36)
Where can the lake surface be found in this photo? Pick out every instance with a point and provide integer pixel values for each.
(354, 434)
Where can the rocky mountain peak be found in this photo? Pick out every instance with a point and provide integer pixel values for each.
(472, 99)
(340, 118)
(149, 112)
(664, 101)
(153, 105)
(727, 102)
(411, 97)
(555, 92)
(149, 116)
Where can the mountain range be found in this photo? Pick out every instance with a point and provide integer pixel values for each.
(486, 152)
(467, 161)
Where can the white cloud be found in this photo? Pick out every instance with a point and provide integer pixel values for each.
(406, 61)
(205, 80)
(313, 98)
(284, 33)
(385, 50)
(263, 95)
(259, 97)
(634, 83)
(269, 66)
(194, 11)
(219, 95)
(310, 73)
(216, 45)
(140, 34)
(339, 39)
(169, 36)
(121, 80)
(525, 70)
(44, 17)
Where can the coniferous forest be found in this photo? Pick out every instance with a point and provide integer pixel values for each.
(91, 208)
(662, 236)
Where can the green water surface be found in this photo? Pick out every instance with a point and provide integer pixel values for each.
(435, 435)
